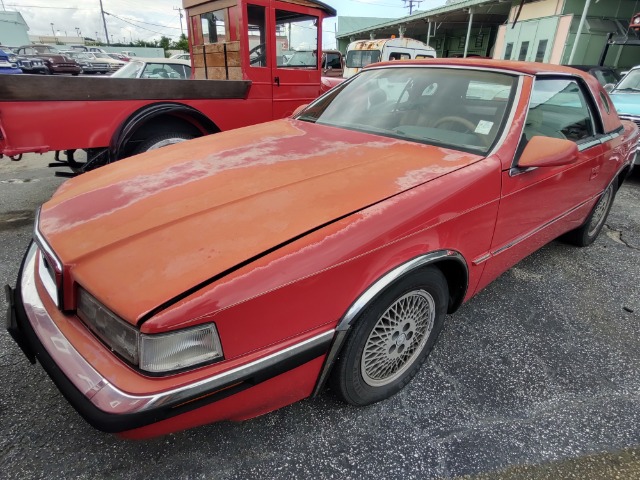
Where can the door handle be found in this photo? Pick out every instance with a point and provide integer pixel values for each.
(594, 172)
(277, 81)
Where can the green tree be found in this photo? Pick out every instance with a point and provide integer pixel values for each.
(182, 44)
(165, 43)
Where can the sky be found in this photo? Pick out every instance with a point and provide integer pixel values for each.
(132, 20)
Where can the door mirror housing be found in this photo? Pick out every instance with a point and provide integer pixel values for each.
(609, 87)
(548, 152)
(299, 109)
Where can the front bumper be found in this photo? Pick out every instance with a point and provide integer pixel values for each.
(66, 69)
(103, 404)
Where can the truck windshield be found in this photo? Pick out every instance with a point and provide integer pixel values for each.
(414, 104)
(362, 58)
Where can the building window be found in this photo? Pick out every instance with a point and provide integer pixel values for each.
(524, 49)
(542, 50)
(507, 51)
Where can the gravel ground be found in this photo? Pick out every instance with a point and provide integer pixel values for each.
(536, 377)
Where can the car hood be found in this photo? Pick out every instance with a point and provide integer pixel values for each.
(626, 103)
(141, 232)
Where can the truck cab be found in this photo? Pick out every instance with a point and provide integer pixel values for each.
(249, 40)
(364, 52)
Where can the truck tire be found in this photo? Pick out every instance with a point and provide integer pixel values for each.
(163, 140)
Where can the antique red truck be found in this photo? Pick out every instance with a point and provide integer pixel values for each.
(241, 76)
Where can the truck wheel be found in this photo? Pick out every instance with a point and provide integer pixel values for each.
(163, 140)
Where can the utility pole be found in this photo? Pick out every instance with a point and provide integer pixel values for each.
(180, 12)
(104, 22)
(409, 4)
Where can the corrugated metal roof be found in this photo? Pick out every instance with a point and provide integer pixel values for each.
(352, 24)
(459, 5)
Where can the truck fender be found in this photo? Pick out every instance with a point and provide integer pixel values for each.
(179, 113)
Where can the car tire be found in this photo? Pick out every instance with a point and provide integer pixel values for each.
(586, 234)
(163, 140)
(391, 338)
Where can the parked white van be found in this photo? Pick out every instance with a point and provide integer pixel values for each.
(363, 52)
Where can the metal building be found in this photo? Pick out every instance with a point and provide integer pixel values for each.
(553, 31)
(14, 31)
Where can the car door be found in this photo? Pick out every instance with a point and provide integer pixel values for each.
(538, 204)
(297, 29)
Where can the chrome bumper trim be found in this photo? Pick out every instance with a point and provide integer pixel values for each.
(106, 396)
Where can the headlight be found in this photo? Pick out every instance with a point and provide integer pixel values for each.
(157, 353)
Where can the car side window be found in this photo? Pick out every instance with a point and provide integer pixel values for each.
(558, 108)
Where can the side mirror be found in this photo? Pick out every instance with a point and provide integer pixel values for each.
(299, 109)
(548, 152)
(609, 87)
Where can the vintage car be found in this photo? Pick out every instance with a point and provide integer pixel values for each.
(8, 63)
(626, 98)
(54, 61)
(230, 275)
(169, 68)
(105, 62)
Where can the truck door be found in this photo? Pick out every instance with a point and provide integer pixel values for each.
(296, 57)
(259, 62)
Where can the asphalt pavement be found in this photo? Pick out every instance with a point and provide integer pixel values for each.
(536, 377)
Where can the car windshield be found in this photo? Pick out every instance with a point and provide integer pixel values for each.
(302, 58)
(45, 49)
(415, 104)
(102, 55)
(130, 70)
(631, 81)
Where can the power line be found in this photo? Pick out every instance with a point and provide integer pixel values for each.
(41, 6)
(137, 26)
(140, 21)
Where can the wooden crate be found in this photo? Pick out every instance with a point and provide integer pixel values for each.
(212, 58)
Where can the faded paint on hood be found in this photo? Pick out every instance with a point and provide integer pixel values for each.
(140, 232)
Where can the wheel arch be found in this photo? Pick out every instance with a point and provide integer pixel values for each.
(450, 262)
(152, 116)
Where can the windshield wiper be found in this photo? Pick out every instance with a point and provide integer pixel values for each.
(627, 89)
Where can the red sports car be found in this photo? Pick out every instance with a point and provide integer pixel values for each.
(227, 276)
